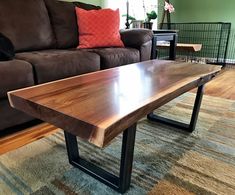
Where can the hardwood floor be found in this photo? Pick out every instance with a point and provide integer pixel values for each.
(223, 86)
(26, 136)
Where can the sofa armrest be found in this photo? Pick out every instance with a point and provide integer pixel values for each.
(15, 74)
(136, 37)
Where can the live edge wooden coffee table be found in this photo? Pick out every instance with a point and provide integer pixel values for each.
(99, 106)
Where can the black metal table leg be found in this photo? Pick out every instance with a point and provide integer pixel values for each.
(187, 127)
(154, 48)
(172, 51)
(121, 183)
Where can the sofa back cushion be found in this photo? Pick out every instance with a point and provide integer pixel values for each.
(64, 22)
(26, 23)
(86, 6)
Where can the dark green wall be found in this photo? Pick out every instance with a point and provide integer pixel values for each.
(202, 11)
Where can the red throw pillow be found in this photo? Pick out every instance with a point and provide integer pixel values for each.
(98, 28)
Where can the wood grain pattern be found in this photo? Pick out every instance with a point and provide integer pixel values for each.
(183, 47)
(99, 106)
(223, 86)
(21, 138)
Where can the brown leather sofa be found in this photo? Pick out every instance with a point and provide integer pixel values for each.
(45, 36)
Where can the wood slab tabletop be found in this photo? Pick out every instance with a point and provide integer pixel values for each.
(99, 106)
(183, 46)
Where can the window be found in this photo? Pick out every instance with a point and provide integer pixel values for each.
(136, 9)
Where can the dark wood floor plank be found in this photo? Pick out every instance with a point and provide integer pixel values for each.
(26, 136)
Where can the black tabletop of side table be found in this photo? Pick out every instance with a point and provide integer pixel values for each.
(165, 35)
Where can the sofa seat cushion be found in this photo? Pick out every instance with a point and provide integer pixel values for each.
(26, 23)
(15, 74)
(50, 65)
(11, 117)
(113, 57)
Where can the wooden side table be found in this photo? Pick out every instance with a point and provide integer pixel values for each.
(188, 47)
(165, 35)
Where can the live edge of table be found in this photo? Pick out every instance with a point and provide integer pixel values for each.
(99, 106)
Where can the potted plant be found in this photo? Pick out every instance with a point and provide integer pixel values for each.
(150, 16)
(128, 17)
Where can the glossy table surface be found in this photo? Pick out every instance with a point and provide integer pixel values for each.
(99, 106)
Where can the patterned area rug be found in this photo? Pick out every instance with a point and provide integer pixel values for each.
(166, 160)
